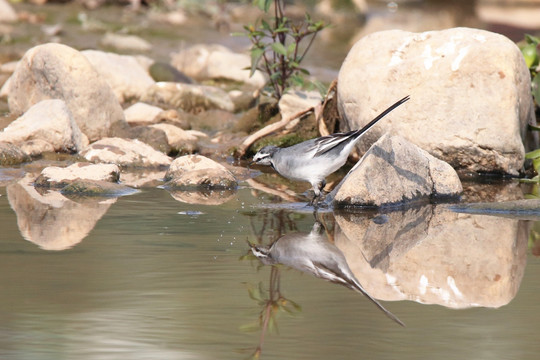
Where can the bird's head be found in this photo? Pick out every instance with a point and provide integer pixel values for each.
(264, 156)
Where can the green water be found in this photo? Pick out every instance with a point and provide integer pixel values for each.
(155, 278)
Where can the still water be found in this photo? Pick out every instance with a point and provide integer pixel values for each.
(147, 276)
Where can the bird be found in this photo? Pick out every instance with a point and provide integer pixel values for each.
(314, 254)
(313, 160)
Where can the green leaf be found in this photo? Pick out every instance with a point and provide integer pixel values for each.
(532, 39)
(533, 154)
(279, 48)
(535, 88)
(264, 5)
(530, 55)
(291, 48)
(256, 55)
(536, 164)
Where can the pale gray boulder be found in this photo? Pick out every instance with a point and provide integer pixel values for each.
(56, 71)
(470, 94)
(395, 172)
(46, 126)
(58, 177)
(192, 172)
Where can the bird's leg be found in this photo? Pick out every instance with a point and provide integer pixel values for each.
(318, 190)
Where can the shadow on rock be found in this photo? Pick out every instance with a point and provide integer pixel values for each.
(433, 256)
(50, 220)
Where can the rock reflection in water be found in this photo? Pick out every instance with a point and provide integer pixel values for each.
(314, 254)
(205, 197)
(50, 220)
(434, 256)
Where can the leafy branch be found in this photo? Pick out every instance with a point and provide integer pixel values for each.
(276, 46)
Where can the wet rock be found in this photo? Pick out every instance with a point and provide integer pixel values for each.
(521, 209)
(58, 177)
(294, 102)
(181, 141)
(95, 188)
(196, 171)
(50, 220)
(46, 126)
(128, 79)
(442, 72)
(12, 155)
(188, 97)
(156, 138)
(141, 114)
(7, 14)
(204, 62)
(56, 71)
(126, 42)
(416, 255)
(174, 117)
(125, 153)
(396, 172)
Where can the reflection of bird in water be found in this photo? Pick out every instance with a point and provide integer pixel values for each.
(314, 254)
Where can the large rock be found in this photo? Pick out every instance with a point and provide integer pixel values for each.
(470, 94)
(188, 97)
(56, 71)
(395, 171)
(193, 172)
(203, 62)
(46, 126)
(57, 177)
(128, 79)
(127, 153)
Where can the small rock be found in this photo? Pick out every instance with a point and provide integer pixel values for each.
(141, 114)
(126, 42)
(183, 141)
(156, 138)
(57, 177)
(83, 187)
(294, 102)
(188, 97)
(46, 126)
(128, 153)
(56, 71)
(7, 14)
(394, 172)
(12, 155)
(442, 73)
(128, 79)
(205, 62)
(196, 171)
(174, 117)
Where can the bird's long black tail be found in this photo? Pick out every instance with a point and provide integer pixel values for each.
(380, 116)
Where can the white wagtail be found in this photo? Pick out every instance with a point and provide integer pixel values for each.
(313, 160)
(314, 254)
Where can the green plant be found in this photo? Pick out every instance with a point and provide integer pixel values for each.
(530, 48)
(277, 47)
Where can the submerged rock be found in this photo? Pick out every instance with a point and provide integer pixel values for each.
(57, 177)
(196, 171)
(128, 153)
(56, 71)
(124, 74)
(46, 126)
(12, 155)
(396, 172)
(95, 188)
(470, 94)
